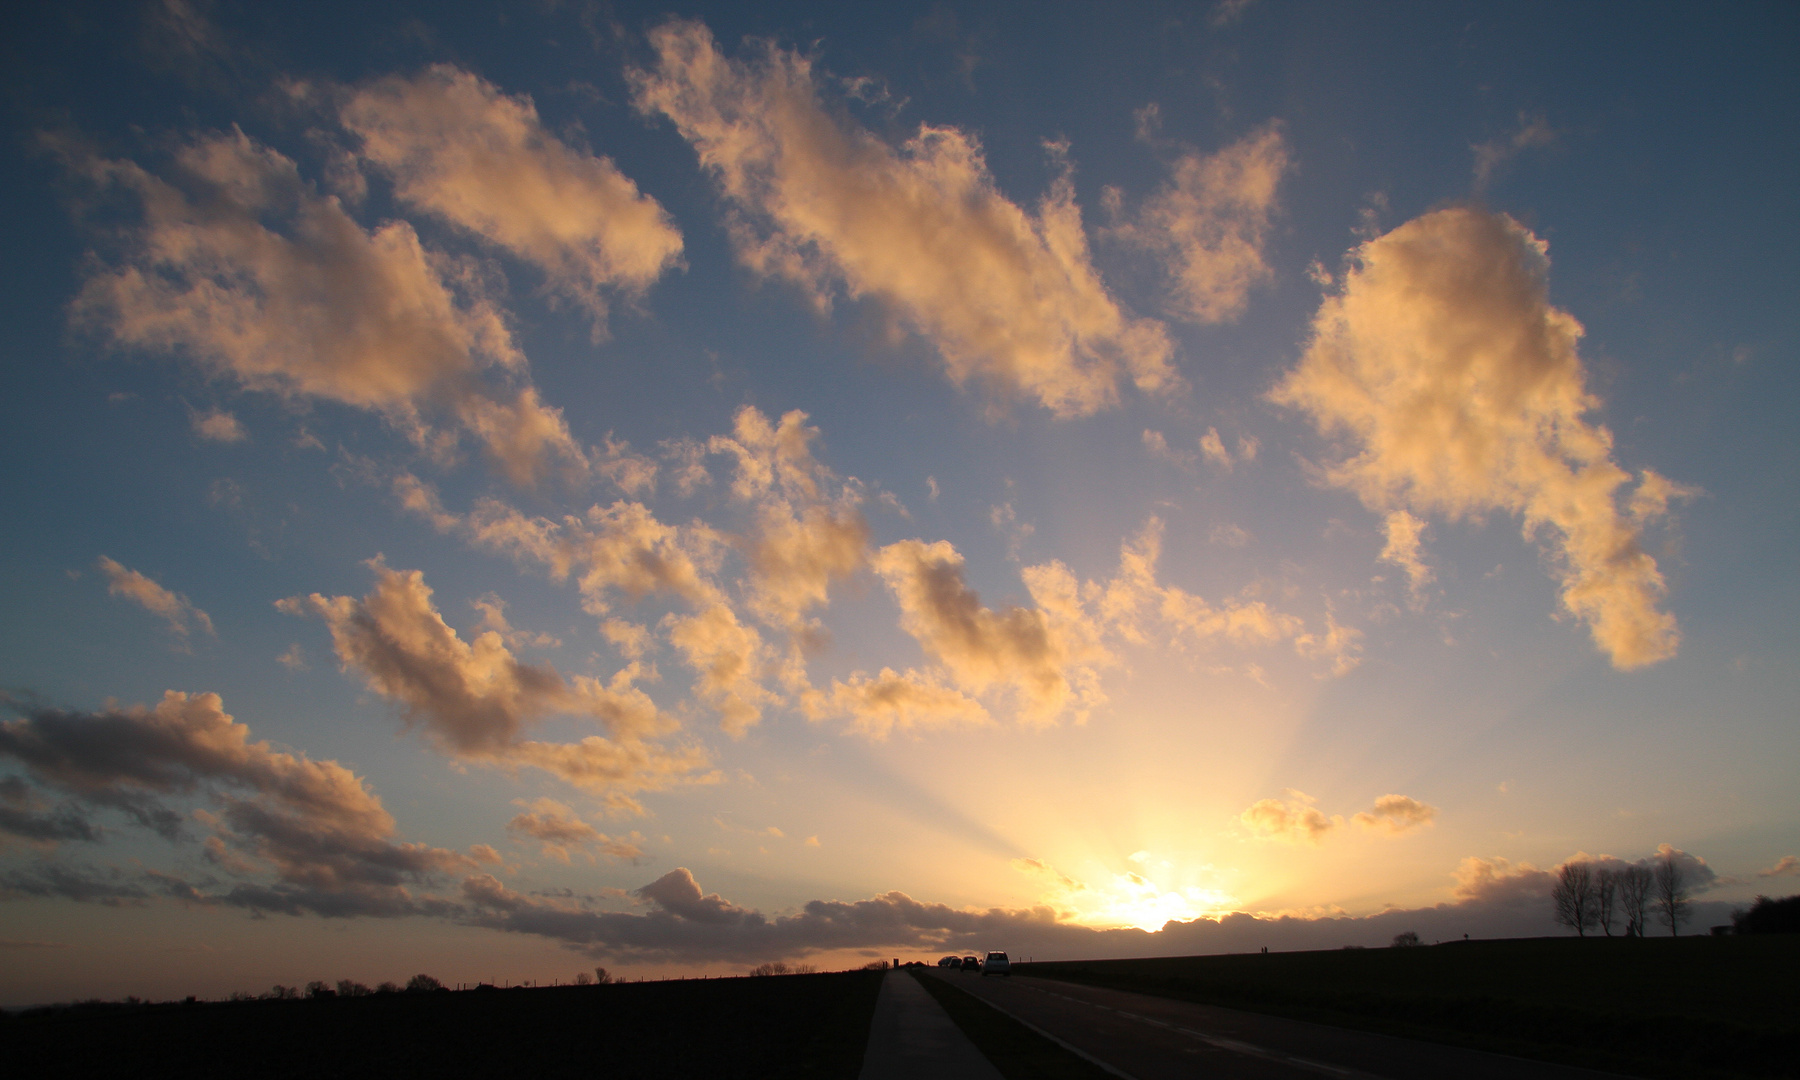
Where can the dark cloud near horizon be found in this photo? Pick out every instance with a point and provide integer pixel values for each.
(314, 826)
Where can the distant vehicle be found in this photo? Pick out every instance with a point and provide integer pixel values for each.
(996, 964)
(969, 963)
(950, 962)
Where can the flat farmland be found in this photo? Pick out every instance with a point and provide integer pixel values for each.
(801, 1026)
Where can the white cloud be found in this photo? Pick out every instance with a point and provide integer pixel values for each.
(476, 700)
(1294, 819)
(245, 268)
(1458, 389)
(219, 426)
(1395, 814)
(1533, 132)
(806, 536)
(1046, 656)
(1786, 866)
(1008, 297)
(176, 610)
(558, 829)
(1404, 534)
(1208, 225)
(459, 148)
(890, 701)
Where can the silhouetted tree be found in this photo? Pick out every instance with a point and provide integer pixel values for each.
(319, 988)
(1670, 892)
(1573, 895)
(1606, 892)
(601, 976)
(1768, 916)
(389, 987)
(351, 988)
(582, 978)
(1406, 939)
(419, 984)
(1634, 898)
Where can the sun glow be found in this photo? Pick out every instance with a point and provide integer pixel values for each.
(1132, 899)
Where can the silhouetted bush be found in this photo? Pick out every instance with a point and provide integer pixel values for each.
(351, 988)
(1768, 916)
(1406, 939)
(388, 988)
(776, 967)
(420, 984)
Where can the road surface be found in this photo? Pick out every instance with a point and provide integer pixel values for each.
(1152, 1038)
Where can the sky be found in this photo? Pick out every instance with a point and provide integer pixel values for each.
(499, 489)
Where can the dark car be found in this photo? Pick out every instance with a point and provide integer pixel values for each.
(970, 963)
(950, 962)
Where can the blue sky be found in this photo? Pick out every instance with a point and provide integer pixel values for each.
(679, 488)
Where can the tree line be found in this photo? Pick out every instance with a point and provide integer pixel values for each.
(1588, 898)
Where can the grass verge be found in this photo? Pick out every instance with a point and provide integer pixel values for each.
(1017, 1051)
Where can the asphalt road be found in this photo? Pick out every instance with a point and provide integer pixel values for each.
(1150, 1038)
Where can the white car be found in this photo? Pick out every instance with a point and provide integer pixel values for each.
(996, 964)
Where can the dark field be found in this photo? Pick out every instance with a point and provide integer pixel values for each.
(1657, 1007)
(782, 1026)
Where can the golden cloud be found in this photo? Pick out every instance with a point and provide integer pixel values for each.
(1007, 297)
(317, 308)
(460, 149)
(1459, 390)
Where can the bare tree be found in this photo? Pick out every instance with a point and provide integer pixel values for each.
(1606, 891)
(582, 978)
(1670, 892)
(419, 984)
(1574, 897)
(1406, 939)
(1634, 898)
(601, 976)
(352, 988)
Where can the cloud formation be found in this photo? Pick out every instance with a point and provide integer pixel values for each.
(1492, 898)
(1297, 820)
(1008, 297)
(878, 705)
(246, 269)
(460, 149)
(219, 426)
(175, 609)
(1404, 534)
(625, 549)
(806, 535)
(1395, 814)
(1046, 656)
(558, 829)
(476, 700)
(1458, 390)
(314, 825)
(1786, 866)
(1208, 225)
(1294, 819)
(1533, 132)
